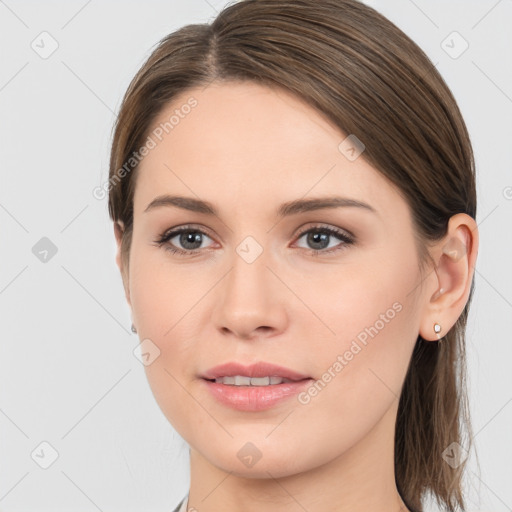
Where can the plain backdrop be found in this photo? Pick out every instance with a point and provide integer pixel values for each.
(73, 395)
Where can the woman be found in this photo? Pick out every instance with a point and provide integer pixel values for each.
(293, 194)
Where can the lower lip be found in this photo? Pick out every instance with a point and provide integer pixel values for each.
(255, 398)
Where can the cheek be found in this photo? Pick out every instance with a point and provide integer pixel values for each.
(369, 326)
(356, 301)
(159, 292)
(165, 303)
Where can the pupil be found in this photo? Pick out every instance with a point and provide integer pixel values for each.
(191, 238)
(316, 238)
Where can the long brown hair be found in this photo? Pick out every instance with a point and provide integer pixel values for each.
(361, 71)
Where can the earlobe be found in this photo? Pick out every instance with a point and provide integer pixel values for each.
(451, 279)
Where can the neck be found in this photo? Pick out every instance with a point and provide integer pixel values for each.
(360, 479)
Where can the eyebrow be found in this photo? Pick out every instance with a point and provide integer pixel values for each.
(286, 209)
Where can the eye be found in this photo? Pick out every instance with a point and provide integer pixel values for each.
(319, 238)
(189, 237)
(192, 238)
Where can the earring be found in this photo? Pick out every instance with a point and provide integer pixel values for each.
(437, 330)
(133, 328)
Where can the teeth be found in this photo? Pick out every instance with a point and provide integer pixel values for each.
(239, 380)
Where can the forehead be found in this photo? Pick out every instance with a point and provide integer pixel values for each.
(254, 116)
(244, 142)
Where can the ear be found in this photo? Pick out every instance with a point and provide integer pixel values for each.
(449, 283)
(118, 232)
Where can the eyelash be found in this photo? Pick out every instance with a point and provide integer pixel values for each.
(168, 235)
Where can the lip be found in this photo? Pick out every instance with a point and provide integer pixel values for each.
(260, 369)
(254, 398)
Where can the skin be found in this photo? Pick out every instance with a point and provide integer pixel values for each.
(247, 149)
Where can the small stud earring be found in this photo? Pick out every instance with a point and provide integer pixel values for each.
(133, 328)
(437, 330)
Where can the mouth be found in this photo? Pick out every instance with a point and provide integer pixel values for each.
(256, 374)
(241, 380)
(253, 388)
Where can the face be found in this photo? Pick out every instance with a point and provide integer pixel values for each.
(329, 293)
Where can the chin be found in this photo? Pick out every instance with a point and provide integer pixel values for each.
(250, 462)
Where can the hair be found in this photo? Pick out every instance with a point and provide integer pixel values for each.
(357, 68)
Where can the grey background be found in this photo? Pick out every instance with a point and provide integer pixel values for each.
(68, 374)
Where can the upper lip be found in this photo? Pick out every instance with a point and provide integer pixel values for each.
(260, 369)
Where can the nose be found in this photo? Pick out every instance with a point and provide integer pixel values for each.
(250, 300)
